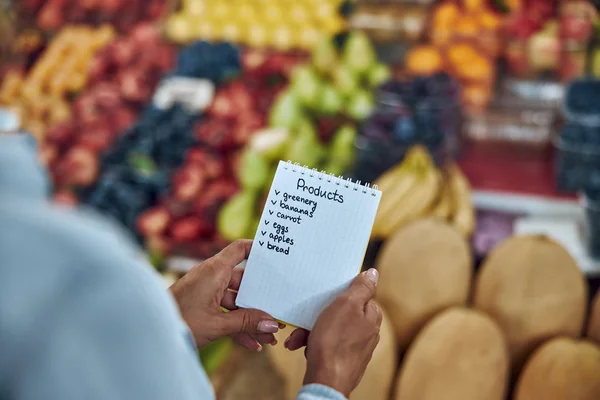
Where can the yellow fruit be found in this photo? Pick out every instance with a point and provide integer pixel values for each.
(205, 30)
(282, 37)
(562, 369)
(273, 14)
(535, 291)
(231, 32)
(179, 28)
(424, 268)
(324, 10)
(257, 35)
(459, 355)
(306, 38)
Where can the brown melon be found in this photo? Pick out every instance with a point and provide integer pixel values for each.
(460, 354)
(535, 291)
(424, 268)
(562, 369)
(376, 384)
(593, 329)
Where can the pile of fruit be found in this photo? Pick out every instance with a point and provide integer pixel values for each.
(518, 324)
(423, 110)
(541, 40)
(122, 14)
(41, 97)
(313, 123)
(135, 172)
(416, 189)
(274, 24)
(184, 222)
(464, 42)
(121, 80)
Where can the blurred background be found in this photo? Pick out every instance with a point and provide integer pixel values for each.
(170, 116)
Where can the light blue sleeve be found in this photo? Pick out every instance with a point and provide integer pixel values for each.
(82, 317)
(319, 392)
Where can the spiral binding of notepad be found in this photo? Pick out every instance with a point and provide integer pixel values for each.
(331, 178)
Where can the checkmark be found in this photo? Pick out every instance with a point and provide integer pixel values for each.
(270, 212)
(266, 222)
(263, 232)
(261, 243)
(274, 202)
(277, 192)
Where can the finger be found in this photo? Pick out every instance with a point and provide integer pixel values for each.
(266, 338)
(228, 300)
(297, 340)
(236, 279)
(247, 341)
(373, 313)
(233, 254)
(247, 321)
(362, 288)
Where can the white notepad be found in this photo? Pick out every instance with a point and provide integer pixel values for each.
(310, 244)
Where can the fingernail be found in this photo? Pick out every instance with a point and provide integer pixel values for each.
(282, 326)
(268, 326)
(259, 348)
(274, 342)
(287, 340)
(373, 275)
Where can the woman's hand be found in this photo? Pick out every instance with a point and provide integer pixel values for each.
(344, 337)
(213, 284)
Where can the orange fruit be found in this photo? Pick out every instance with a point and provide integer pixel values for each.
(462, 53)
(467, 26)
(477, 69)
(472, 5)
(424, 60)
(445, 15)
(476, 96)
(489, 20)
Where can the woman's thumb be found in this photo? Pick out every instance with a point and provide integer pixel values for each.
(248, 321)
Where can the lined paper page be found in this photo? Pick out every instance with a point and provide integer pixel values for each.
(310, 244)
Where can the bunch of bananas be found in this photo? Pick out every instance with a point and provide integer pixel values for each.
(416, 188)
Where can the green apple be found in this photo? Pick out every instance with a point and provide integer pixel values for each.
(332, 100)
(235, 218)
(306, 85)
(286, 112)
(360, 105)
(378, 75)
(325, 56)
(270, 142)
(359, 54)
(254, 170)
(345, 80)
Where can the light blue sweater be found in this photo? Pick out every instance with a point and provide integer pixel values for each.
(82, 317)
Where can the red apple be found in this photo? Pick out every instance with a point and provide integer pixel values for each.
(253, 60)
(144, 34)
(153, 221)
(89, 4)
(188, 182)
(111, 6)
(522, 26)
(240, 97)
(216, 133)
(124, 51)
(79, 167)
(65, 198)
(211, 199)
(248, 123)
(575, 28)
(164, 57)
(222, 105)
(50, 17)
(156, 10)
(121, 119)
(188, 229)
(97, 140)
(60, 134)
(132, 85)
(212, 165)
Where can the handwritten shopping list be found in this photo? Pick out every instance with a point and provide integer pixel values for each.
(310, 244)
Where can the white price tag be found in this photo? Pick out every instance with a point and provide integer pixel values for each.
(194, 94)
